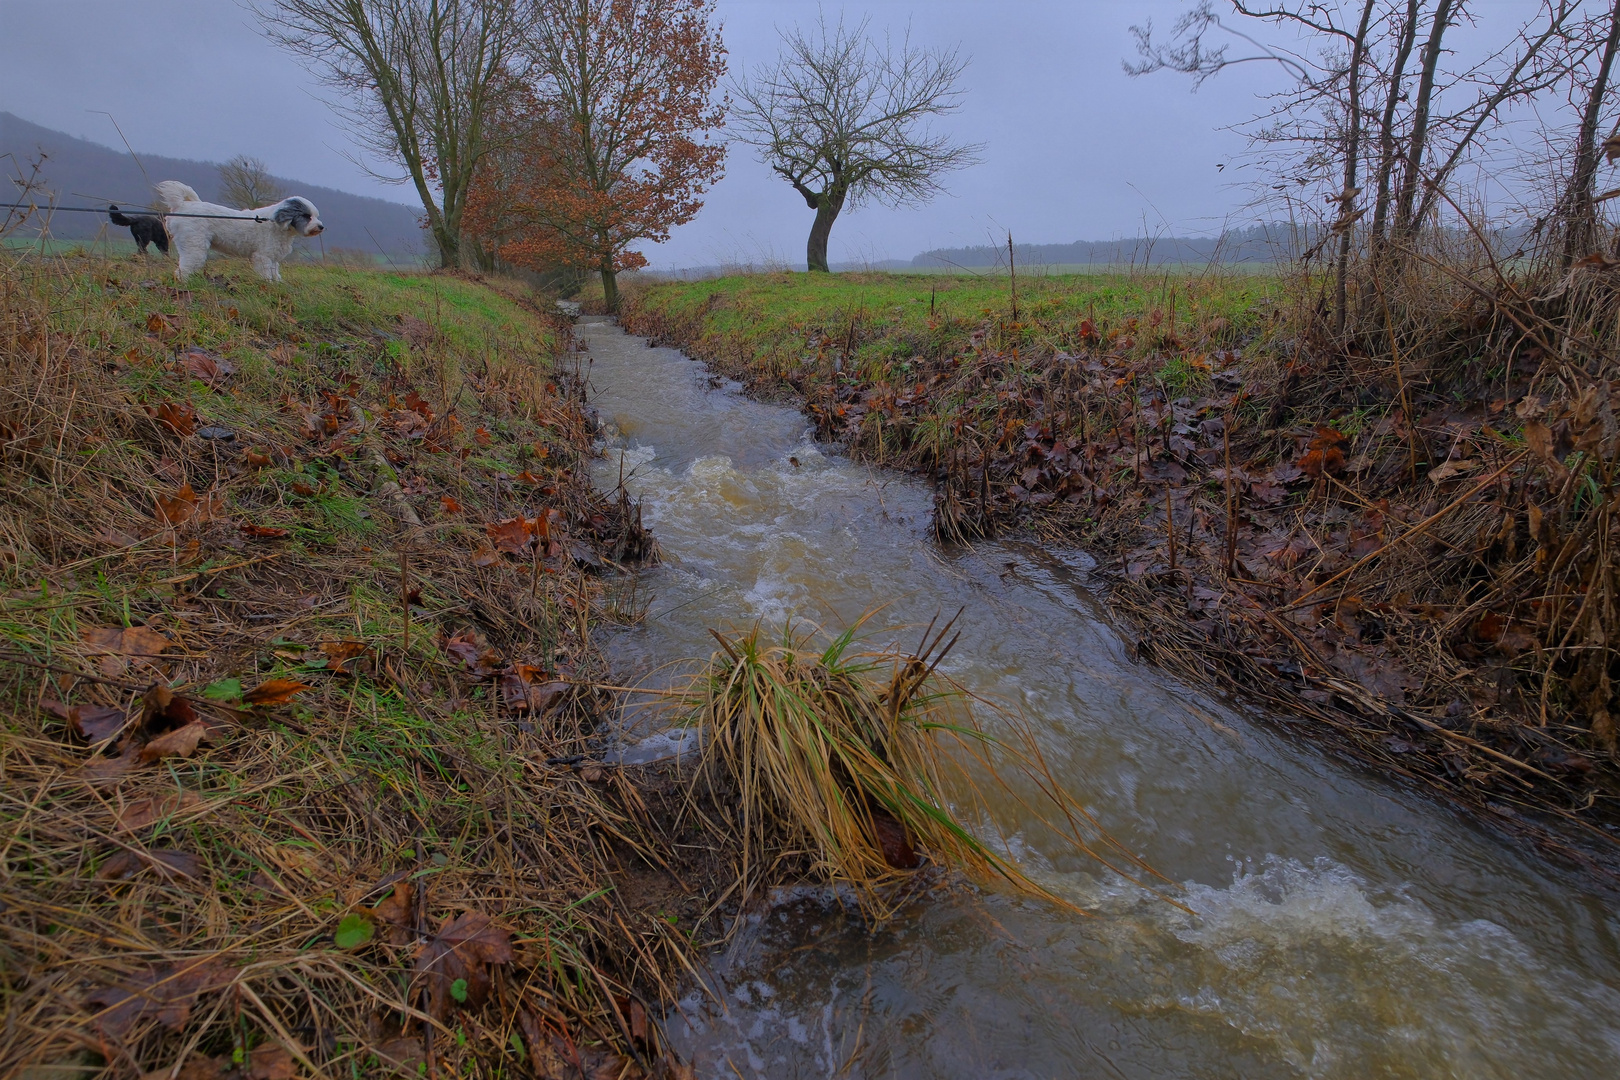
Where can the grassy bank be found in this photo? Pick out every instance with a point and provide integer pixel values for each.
(1404, 540)
(299, 588)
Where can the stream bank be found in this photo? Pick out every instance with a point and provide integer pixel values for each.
(1403, 564)
(1345, 926)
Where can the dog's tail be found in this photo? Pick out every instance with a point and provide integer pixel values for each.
(173, 194)
(118, 218)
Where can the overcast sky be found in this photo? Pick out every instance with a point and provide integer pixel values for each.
(1075, 149)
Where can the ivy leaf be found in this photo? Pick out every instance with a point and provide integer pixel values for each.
(354, 931)
(223, 690)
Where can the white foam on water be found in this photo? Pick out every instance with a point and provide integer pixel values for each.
(1336, 977)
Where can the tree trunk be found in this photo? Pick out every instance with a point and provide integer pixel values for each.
(1386, 130)
(1412, 172)
(1578, 229)
(828, 204)
(1352, 158)
(610, 287)
(449, 248)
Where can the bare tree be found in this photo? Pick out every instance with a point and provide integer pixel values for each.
(245, 182)
(418, 77)
(1580, 202)
(845, 121)
(1352, 96)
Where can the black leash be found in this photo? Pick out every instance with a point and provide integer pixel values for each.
(133, 213)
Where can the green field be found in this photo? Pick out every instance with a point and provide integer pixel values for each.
(883, 319)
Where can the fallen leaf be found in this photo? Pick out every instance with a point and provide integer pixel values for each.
(450, 505)
(164, 709)
(485, 556)
(181, 742)
(164, 994)
(178, 416)
(257, 458)
(398, 910)
(92, 723)
(207, 367)
(103, 768)
(126, 640)
(177, 509)
(300, 488)
(1448, 469)
(512, 536)
(461, 950)
(160, 324)
(270, 1061)
(339, 653)
(197, 1067)
(525, 689)
(262, 532)
(119, 645)
(126, 864)
(144, 812)
(480, 661)
(354, 931)
(274, 692)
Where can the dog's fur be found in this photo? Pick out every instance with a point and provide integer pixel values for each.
(145, 228)
(265, 242)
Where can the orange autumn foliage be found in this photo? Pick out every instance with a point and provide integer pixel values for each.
(608, 144)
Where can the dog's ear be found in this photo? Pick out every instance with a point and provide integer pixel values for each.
(293, 214)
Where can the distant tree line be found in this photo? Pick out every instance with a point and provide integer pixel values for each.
(1268, 243)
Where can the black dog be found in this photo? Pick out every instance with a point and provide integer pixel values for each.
(145, 228)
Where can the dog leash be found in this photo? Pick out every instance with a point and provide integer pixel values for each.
(35, 207)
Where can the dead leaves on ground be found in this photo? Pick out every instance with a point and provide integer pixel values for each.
(274, 692)
(267, 1061)
(118, 648)
(454, 962)
(164, 994)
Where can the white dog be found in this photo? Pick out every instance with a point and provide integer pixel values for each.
(263, 236)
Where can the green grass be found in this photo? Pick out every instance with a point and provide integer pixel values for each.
(775, 320)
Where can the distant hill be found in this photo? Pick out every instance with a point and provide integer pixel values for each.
(83, 173)
(1258, 244)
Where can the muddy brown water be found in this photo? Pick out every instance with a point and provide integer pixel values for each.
(1345, 926)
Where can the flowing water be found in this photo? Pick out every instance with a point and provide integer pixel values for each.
(1345, 927)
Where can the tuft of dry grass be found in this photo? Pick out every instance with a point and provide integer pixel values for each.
(857, 767)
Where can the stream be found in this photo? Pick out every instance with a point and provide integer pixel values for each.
(1345, 926)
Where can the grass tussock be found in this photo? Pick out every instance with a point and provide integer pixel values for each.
(854, 767)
